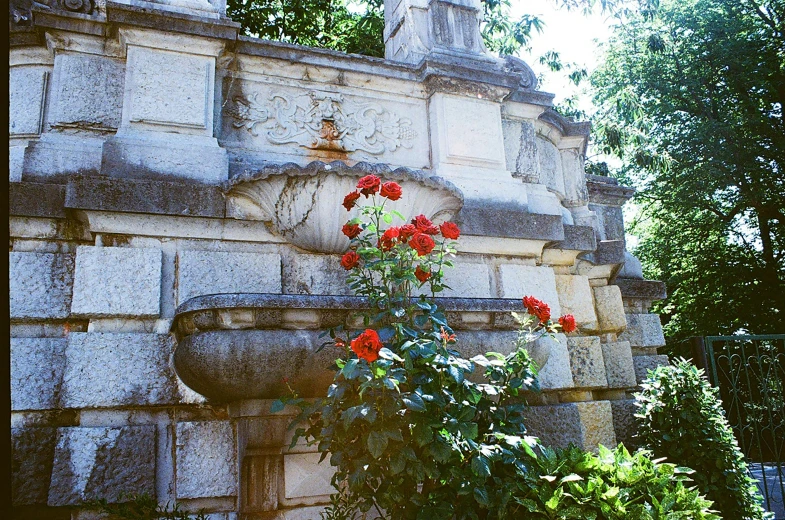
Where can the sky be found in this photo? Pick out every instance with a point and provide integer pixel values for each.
(570, 33)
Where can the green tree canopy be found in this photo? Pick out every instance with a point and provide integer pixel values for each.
(691, 98)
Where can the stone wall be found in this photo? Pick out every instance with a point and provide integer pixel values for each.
(157, 158)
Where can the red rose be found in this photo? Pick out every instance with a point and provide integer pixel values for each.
(350, 200)
(350, 260)
(424, 225)
(369, 184)
(537, 308)
(391, 190)
(421, 275)
(567, 323)
(387, 240)
(351, 230)
(450, 230)
(421, 243)
(407, 232)
(367, 345)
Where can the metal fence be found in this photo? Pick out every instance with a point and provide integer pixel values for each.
(750, 374)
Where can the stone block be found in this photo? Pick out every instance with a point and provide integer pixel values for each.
(624, 422)
(87, 92)
(643, 364)
(585, 424)
(556, 373)
(643, 330)
(586, 362)
(93, 463)
(117, 282)
(57, 155)
(315, 274)
(111, 369)
(32, 453)
(551, 169)
(206, 459)
(36, 372)
(40, 285)
(520, 149)
(619, 368)
(215, 272)
(610, 309)
(575, 297)
(305, 477)
(27, 91)
(518, 281)
(467, 280)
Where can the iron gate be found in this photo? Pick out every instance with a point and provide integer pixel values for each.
(750, 374)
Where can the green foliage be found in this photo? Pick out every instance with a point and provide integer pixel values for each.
(143, 507)
(574, 484)
(690, 101)
(681, 418)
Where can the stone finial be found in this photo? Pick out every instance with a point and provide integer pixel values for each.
(414, 29)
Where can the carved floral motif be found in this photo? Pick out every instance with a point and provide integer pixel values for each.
(323, 121)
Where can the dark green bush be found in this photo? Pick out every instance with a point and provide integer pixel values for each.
(574, 484)
(681, 418)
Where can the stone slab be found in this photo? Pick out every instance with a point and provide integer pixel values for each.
(215, 272)
(467, 280)
(643, 330)
(624, 422)
(586, 362)
(575, 297)
(556, 373)
(40, 285)
(643, 289)
(315, 274)
(509, 221)
(110, 369)
(27, 92)
(144, 196)
(645, 363)
(585, 424)
(206, 459)
(37, 366)
(305, 477)
(610, 309)
(518, 281)
(93, 463)
(619, 368)
(31, 199)
(116, 282)
(551, 168)
(32, 454)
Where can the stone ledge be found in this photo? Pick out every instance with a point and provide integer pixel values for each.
(608, 252)
(606, 190)
(32, 199)
(26, 36)
(70, 21)
(644, 289)
(576, 238)
(224, 29)
(518, 223)
(89, 192)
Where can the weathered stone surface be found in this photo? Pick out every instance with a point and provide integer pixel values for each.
(551, 170)
(32, 453)
(485, 220)
(586, 424)
(206, 459)
(586, 362)
(575, 297)
(610, 309)
(213, 272)
(520, 149)
(645, 363)
(29, 199)
(467, 280)
(116, 282)
(556, 373)
(624, 422)
(643, 330)
(92, 463)
(619, 368)
(314, 274)
(27, 90)
(632, 267)
(305, 477)
(36, 372)
(40, 285)
(649, 290)
(518, 281)
(87, 91)
(107, 369)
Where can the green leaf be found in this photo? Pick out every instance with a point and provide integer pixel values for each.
(377, 443)
(414, 402)
(481, 466)
(277, 406)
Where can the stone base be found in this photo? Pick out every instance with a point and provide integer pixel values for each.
(164, 155)
(586, 424)
(55, 156)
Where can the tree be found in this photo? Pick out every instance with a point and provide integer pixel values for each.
(690, 100)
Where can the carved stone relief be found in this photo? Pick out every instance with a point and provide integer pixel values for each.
(322, 121)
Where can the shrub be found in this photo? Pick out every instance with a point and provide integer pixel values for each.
(572, 483)
(681, 418)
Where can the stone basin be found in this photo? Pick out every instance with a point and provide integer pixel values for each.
(303, 204)
(242, 346)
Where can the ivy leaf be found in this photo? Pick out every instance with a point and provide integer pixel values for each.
(377, 443)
